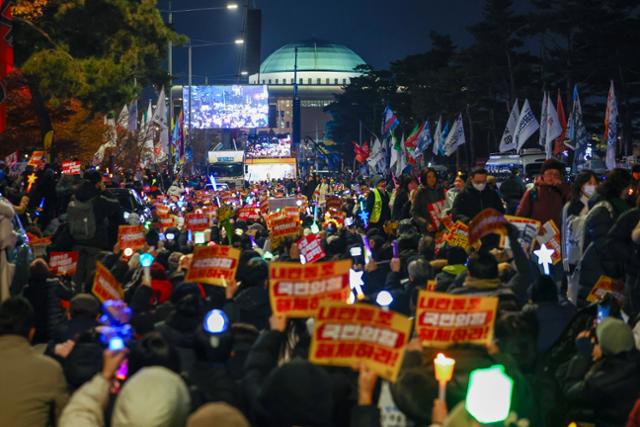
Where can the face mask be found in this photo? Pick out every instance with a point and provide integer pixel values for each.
(479, 187)
(588, 189)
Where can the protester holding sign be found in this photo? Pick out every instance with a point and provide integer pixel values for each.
(430, 192)
(475, 197)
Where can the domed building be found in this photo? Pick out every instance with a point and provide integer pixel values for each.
(323, 68)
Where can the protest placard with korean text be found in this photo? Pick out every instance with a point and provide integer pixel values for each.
(105, 286)
(486, 222)
(63, 263)
(527, 229)
(296, 290)
(213, 265)
(131, 236)
(606, 285)
(311, 248)
(443, 319)
(71, 168)
(549, 235)
(249, 214)
(350, 335)
(196, 221)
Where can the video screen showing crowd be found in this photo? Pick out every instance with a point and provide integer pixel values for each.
(268, 147)
(227, 107)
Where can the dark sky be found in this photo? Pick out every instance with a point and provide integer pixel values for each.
(378, 30)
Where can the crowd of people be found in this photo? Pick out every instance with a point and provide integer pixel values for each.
(222, 108)
(572, 359)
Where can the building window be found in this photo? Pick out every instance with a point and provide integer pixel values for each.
(269, 81)
(287, 125)
(292, 81)
(328, 80)
(301, 81)
(309, 81)
(344, 81)
(335, 81)
(277, 81)
(263, 81)
(319, 81)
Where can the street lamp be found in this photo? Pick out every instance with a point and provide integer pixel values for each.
(232, 6)
(244, 73)
(239, 41)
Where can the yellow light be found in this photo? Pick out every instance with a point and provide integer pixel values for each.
(232, 6)
(444, 367)
(239, 41)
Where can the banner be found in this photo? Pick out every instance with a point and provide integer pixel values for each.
(167, 221)
(37, 157)
(213, 265)
(11, 159)
(443, 319)
(249, 214)
(486, 222)
(71, 168)
(549, 235)
(311, 248)
(528, 230)
(105, 286)
(196, 221)
(63, 263)
(349, 335)
(606, 285)
(334, 202)
(131, 236)
(162, 210)
(437, 212)
(296, 290)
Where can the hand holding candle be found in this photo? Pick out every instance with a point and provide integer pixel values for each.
(444, 372)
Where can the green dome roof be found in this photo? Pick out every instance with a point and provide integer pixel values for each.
(313, 55)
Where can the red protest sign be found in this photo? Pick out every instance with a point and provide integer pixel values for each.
(213, 265)
(486, 222)
(283, 227)
(167, 221)
(458, 235)
(131, 236)
(71, 168)
(105, 286)
(196, 221)
(442, 319)
(437, 212)
(37, 157)
(296, 290)
(311, 248)
(63, 263)
(349, 335)
(334, 202)
(162, 209)
(11, 159)
(249, 214)
(527, 230)
(606, 285)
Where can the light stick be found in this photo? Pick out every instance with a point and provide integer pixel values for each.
(444, 372)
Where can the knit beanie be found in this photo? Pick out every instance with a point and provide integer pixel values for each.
(614, 336)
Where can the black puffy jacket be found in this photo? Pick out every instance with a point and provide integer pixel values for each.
(470, 202)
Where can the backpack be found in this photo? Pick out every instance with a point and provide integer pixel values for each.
(574, 237)
(81, 220)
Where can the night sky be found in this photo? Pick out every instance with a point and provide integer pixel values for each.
(380, 31)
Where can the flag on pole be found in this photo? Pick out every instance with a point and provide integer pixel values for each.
(577, 131)
(527, 125)
(402, 158)
(390, 121)
(160, 118)
(558, 146)
(543, 121)
(507, 142)
(410, 143)
(455, 138)
(123, 118)
(376, 160)
(611, 127)
(554, 128)
(132, 125)
(436, 137)
(361, 151)
(443, 137)
(394, 149)
(423, 141)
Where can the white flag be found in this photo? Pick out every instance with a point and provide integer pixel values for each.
(402, 157)
(455, 138)
(394, 153)
(376, 157)
(436, 137)
(123, 118)
(542, 137)
(611, 127)
(507, 142)
(527, 125)
(132, 123)
(160, 118)
(554, 128)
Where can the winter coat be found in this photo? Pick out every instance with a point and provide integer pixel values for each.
(550, 320)
(400, 205)
(46, 306)
(445, 278)
(512, 190)
(545, 202)
(470, 202)
(425, 196)
(153, 397)
(251, 306)
(621, 247)
(108, 216)
(603, 392)
(32, 386)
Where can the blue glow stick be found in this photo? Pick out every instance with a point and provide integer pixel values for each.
(367, 250)
(395, 248)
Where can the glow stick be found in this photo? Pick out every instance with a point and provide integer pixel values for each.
(395, 248)
(367, 250)
(444, 372)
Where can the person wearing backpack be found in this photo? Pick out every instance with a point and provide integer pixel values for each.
(574, 214)
(606, 205)
(91, 218)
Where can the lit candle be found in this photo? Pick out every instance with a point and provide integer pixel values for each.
(444, 372)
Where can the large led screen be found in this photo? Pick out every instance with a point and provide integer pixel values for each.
(227, 107)
(268, 147)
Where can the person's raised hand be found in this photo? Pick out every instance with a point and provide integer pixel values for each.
(111, 360)
(394, 264)
(231, 287)
(63, 349)
(366, 384)
(371, 266)
(278, 323)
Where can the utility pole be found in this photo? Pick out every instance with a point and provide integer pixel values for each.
(170, 69)
(189, 103)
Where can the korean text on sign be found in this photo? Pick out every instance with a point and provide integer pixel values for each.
(63, 263)
(105, 286)
(348, 335)
(296, 290)
(213, 265)
(131, 236)
(442, 319)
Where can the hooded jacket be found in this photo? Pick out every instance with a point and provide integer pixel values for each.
(425, 196)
